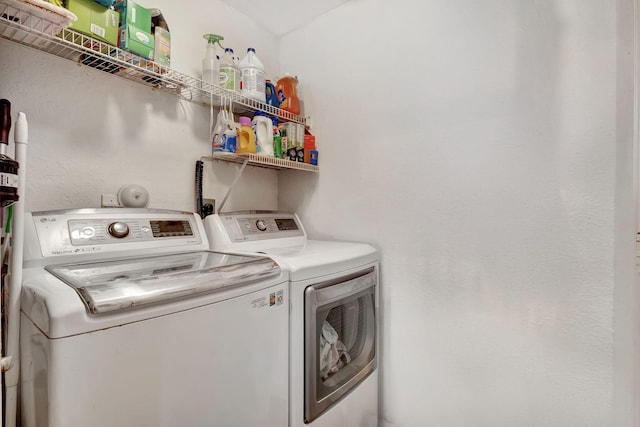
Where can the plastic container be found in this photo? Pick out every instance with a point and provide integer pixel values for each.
(270, 94)
(309, 146)
(229, 140)
(229, 72)
(210, 62)
(224, 135)
(246, 138)
(263, 130)
(287, 94)
(313, 157)
(252, 82)
(277, 147)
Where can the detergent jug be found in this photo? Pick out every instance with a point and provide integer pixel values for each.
(263, 129)
(229, 72)
(252, 82)
(287, 95)
(246, 142)
(270, 92)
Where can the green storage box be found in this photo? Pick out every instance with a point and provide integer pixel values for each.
(135, 29)
(95, 21)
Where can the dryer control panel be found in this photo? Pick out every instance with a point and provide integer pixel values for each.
(227, 229)
(259, 226)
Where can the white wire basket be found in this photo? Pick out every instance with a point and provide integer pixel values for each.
(38, 16)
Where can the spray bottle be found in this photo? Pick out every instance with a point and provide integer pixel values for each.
(210, 63)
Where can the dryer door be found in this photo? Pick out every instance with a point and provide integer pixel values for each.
(340, 339)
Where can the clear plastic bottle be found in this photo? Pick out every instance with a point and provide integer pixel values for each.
(252, 80)
(229, 72)
(211, 61)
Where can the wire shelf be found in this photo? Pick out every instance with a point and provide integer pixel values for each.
(26, 25)
(263, 161)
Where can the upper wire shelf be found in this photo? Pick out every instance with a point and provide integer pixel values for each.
(22, 23)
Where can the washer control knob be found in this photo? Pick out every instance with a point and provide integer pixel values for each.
(262, 226)
(118, 229)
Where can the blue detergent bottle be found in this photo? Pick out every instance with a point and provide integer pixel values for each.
(271, 96)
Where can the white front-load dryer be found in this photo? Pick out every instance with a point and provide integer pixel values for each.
(333, 324)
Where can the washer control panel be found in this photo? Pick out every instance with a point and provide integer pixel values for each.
(115, 229)
(89, 231)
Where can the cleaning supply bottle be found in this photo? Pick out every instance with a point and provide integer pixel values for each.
(287, 95)
(229, 142)
(210, 63)
(270, 94)
(263, 128)
(246, 138)
(8, 167)
(229, 72)
(252, 81)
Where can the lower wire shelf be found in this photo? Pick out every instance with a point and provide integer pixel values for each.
(263, 161)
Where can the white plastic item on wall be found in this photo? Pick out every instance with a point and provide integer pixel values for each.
(252, 80)
(263, 128)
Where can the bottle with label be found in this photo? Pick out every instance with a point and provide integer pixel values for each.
(263, 129)
(270, 94)
(229, 140)
(309, 147)
(252, 81)
(210, 63)
(287, 94)
(246, 141)
(229, 72)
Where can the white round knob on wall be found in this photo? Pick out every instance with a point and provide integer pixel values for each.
(133, 196)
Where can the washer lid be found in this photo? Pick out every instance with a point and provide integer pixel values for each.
(112, 285)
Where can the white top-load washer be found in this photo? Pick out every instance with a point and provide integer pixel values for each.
(128, 319)
(333, 321)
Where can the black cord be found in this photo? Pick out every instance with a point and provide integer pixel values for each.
(199, 167)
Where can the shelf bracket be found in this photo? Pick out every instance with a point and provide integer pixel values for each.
(235, 180)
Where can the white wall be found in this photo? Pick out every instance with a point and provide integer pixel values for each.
(90, 132)
(474, 144)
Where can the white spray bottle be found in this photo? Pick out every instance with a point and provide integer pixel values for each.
(210, 63)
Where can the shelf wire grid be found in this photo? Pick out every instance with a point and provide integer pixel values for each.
(264, 161)
(41, 30)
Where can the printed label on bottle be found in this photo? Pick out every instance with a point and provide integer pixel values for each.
(228, 78)
(228, 144)
(8, 180)
(217, 143)
(253, 80)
